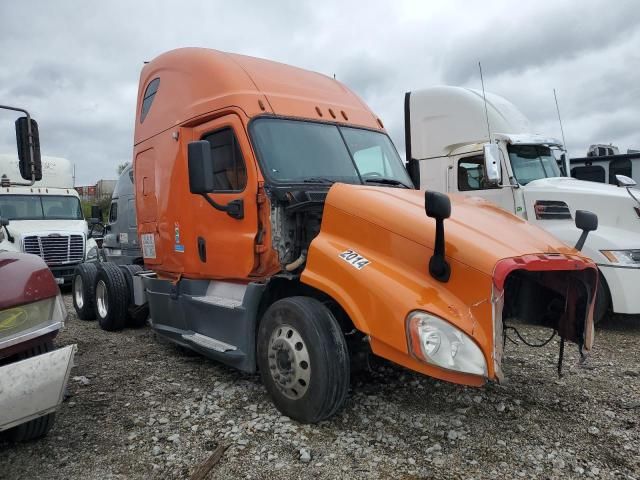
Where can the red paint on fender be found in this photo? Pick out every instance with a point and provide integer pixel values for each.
(24, 278)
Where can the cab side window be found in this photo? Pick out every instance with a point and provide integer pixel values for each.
(147, 99)
(471, 174)
(113, 212)
(229, 170)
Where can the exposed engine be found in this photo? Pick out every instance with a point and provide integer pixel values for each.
(296, 216)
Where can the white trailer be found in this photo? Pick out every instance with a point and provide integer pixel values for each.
(449, 149)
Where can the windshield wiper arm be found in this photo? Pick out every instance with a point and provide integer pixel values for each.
(318, 180)
(386, 181)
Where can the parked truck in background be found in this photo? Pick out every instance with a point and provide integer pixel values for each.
(120, 241)
(45, 216)
(33, 374)
(281, 234)
(449, 150)
(604, 163)
(119, 246)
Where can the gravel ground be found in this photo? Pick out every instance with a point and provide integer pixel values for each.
(141, 408)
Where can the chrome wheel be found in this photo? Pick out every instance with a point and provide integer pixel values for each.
(289, 363)
(102, 299)
(78, 291)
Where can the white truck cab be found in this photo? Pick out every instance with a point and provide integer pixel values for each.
(45, 218)
(447, 137)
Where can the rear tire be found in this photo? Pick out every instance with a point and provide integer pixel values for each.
(84, 280)
(303, 359)
(38, 427)
(136, 315)
(112, 297)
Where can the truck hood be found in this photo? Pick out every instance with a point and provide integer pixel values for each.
(22, 228)
(477, 234)
(613, 205)
(576, 188)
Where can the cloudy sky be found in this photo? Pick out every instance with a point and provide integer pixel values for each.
(75, 64)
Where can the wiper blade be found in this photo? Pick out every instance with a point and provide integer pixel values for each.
(386, 181)
(318, 180)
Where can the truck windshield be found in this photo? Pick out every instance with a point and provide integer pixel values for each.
(293, 151)
(40, 207)
(532, 162)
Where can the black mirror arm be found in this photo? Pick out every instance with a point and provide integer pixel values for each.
(439, 268)
(587, 222)
(581, 240)
(9, 236)
(235, 208)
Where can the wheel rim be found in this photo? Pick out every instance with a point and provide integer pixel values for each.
(289, 363)
(102, 299)
(78, 292)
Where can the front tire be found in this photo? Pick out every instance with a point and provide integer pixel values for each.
(84, 279)
(303, 359)
(112, 297)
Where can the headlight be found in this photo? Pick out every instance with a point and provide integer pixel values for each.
(20, 322)
(436, 341)
(623, 258)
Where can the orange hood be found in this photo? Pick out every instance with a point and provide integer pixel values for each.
(478, 233)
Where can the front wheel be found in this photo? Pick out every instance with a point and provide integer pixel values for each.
(112, 297)
(303, 359)
(84, 278)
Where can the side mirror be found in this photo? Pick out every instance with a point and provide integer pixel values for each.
(28, 141)
(587, 222)
(200, 167)
(4, 222)
(96, 213)
(201, 178)
(94, 221)
(493, 172)
(563, 164)
(438, 206)
(624, 181)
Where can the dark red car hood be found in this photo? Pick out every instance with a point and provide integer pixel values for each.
(24, 279)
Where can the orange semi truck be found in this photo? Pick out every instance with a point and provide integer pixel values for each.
(281, 234)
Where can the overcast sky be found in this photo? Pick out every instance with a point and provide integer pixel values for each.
(75, 64)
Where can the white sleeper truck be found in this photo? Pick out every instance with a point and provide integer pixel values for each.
(44, 215)
(449, 149)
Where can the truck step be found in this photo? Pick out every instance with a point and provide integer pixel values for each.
(208, 342)
(219, 301)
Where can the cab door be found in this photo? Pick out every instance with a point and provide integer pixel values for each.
(224, 245)
(468, 179)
